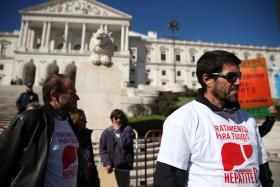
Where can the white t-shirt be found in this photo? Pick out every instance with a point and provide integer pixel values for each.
(62, 166)
(217, 149)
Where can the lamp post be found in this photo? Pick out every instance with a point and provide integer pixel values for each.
(174, 27)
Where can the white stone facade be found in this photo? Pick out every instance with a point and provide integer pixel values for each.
(54, 36)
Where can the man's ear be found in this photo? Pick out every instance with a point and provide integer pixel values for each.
(208, 81)
(54, 95)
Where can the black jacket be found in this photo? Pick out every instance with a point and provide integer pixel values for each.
(266, 125)
(87, 175)
(24, 148)
(169, 176)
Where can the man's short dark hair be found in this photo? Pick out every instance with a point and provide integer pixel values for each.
(118, 112)
(213, 62)
(54, 82)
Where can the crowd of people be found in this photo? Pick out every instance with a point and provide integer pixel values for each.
(210, 141)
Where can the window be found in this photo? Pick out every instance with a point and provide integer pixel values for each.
(163, 83)
(179, 73)
(59, 46)
(193, 74)
(133, 54)
(193, 51)
(132, 71)
(148, 82)
(163, 72)
(148, 55)
(1, 66)
(246, 55)
(178, 57)
(192, 58)
(3, 48)
(37, 46)
(163, 56)
(271, 58)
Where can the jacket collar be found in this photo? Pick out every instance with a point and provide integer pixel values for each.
(230, 107)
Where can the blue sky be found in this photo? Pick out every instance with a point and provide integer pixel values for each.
(248, 22)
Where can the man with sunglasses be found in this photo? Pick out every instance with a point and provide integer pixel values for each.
(211, 141)
(116, 147)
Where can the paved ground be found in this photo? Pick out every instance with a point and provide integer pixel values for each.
(272, 143)
(275, 169)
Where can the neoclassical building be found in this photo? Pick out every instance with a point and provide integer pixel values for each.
(54, 37)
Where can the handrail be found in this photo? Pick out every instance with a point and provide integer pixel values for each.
(154, 133)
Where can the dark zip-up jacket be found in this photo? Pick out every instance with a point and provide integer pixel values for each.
(24, 99)
(117, 152)
(170, 176)
(24, 148)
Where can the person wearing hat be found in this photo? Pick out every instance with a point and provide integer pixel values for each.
(26, 97)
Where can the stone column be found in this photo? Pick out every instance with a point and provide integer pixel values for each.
(21, 33)
(31, 41)
(122, 38)
(48, 35)
(28, 38)
(43, 35)
(83, 38)
(101, 27)
(65, 42)
(105, 27)
(25, 34)
(126, 38)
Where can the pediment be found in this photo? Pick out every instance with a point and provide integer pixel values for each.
(76, 7)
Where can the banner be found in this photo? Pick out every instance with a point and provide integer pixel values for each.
(254, 90)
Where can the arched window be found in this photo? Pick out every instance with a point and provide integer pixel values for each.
(192, 55)
(246, 55)
(60, 46)
(77, 47)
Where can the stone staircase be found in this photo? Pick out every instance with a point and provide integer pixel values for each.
(8, 97)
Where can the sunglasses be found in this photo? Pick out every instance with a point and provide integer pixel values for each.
(230, 76)
(117, 117)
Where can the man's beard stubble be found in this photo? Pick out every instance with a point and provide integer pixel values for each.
(226, 97)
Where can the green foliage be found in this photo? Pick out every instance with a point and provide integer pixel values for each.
(144, 123)
(138, 109)
(167, 102)
(183, 100)
(146, 118)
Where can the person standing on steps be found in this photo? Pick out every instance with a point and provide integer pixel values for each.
(27, 97)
